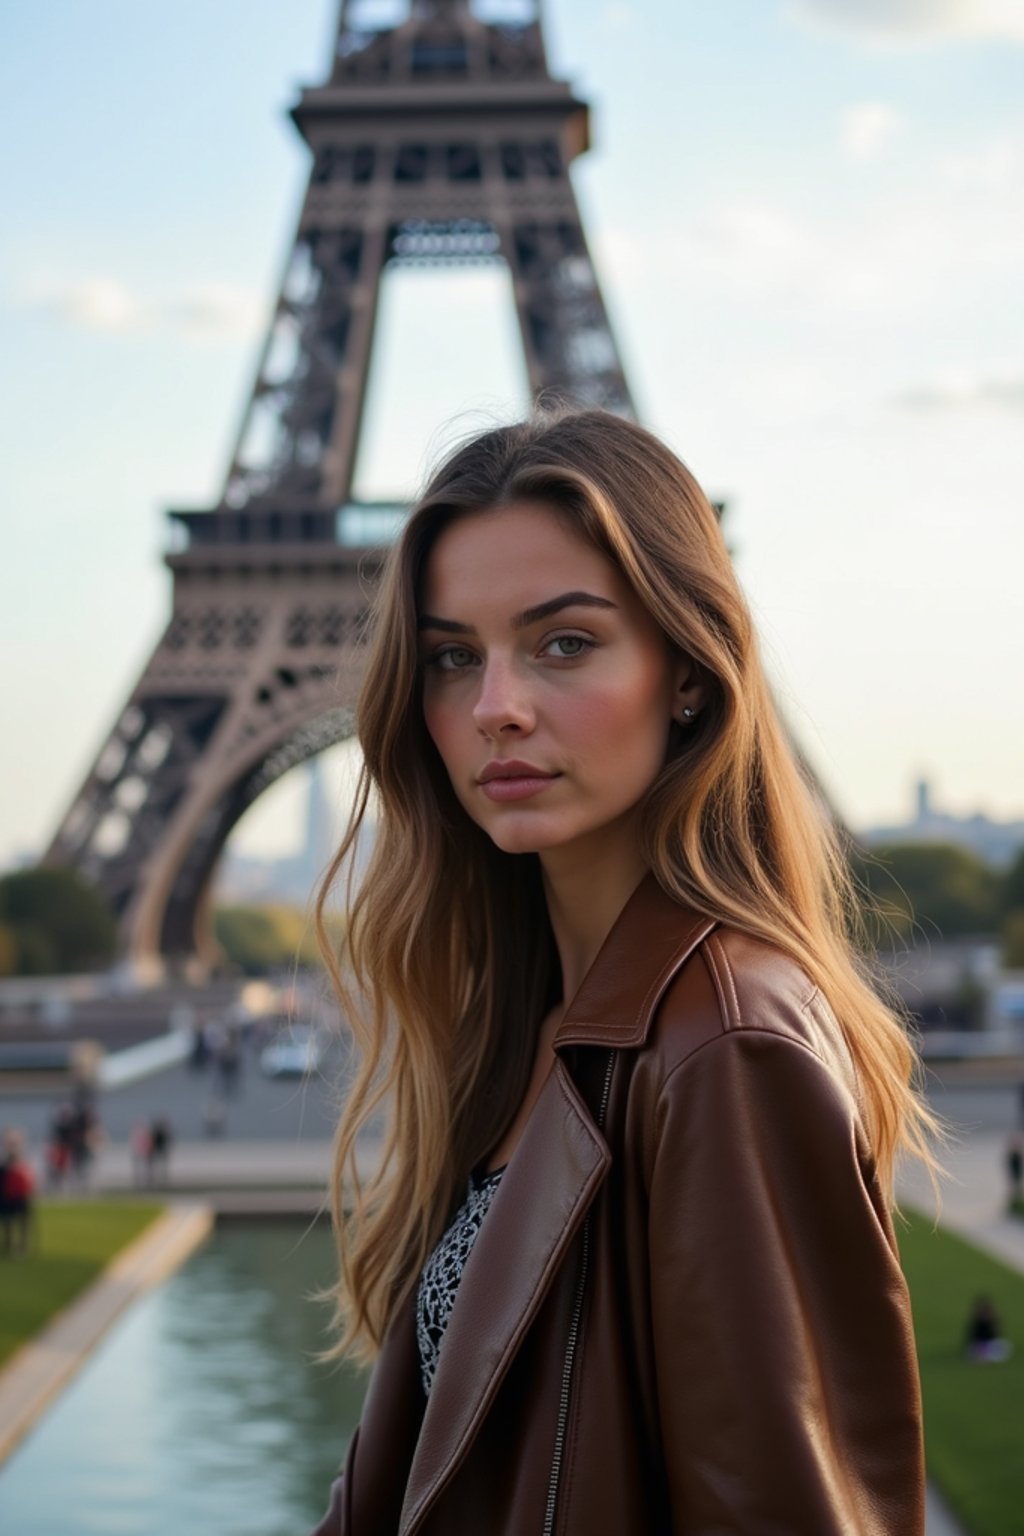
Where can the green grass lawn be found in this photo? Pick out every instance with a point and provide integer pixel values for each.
(73, 1242)
(974, 1414)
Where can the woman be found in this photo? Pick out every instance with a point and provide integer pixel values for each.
(627, 1264)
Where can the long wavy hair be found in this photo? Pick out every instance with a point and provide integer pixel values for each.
(433, 973)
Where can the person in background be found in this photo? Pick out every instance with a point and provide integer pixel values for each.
(984, 1341)
(141, 1150)
(161, 1137)
(17, 1195)
(1015, 1168)
(85, 1134)
(58, 1146)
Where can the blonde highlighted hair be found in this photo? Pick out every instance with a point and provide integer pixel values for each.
(432, 974)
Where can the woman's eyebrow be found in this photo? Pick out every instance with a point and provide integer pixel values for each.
(527, 617)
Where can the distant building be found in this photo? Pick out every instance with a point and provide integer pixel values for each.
(292, 880)
(997, 842)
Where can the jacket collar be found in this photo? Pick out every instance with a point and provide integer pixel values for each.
(648, 942)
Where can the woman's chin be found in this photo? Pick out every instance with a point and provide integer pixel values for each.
(524, 839)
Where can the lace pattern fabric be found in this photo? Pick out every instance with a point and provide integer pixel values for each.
(439, 1280)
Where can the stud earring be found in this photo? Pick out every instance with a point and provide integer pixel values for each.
(688, 713)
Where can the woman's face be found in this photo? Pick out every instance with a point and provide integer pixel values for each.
(548, 690)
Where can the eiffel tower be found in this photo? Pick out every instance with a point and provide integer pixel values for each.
(443, 139)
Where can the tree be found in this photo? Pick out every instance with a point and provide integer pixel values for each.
(262, 939)
(1013, 939)
(8, 951)
(1011, 894)
(933, 890)
(249, 938)
(59, 921)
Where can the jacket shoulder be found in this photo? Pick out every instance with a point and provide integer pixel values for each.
(734, 985)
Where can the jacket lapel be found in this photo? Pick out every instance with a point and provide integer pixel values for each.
(538, 1208)
(546, 1190)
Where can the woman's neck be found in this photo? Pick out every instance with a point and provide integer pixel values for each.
(586, 889)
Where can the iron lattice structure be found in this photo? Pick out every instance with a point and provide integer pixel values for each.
(440, 139)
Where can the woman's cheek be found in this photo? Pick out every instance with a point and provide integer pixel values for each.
(624, 732)
(605, 726)
(445, 731)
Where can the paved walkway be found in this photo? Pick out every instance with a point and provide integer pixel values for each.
(200, 1165)
(973, 1196)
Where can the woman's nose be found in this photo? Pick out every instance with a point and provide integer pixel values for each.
(503, 701)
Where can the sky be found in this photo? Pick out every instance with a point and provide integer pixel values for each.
(807, 219)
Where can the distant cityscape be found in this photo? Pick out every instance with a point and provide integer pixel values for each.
(995, 842)
(292, 879)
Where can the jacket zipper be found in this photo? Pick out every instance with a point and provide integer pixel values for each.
(571, 1342)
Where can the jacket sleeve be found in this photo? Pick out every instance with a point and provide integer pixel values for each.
(787, 1378)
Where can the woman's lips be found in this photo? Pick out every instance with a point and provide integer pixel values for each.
(519, 787)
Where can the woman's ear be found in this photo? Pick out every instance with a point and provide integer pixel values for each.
(689, 693)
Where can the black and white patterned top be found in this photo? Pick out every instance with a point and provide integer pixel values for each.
(439, 1280)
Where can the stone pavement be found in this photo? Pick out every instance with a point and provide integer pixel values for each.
(222, 1164)
(973, 1196)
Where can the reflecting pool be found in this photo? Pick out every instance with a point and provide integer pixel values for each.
(202, 1413)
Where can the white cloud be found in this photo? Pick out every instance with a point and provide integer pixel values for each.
(99, 304)
(907, 257)
(913, 21)
(753, 246)
(217, 309)
(104, 304)
(867, 128)
(991, 168)
(752, 252)
(959, 390)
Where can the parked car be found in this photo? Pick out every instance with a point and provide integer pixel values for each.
(294, 1053)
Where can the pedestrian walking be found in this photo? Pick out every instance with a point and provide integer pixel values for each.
(985, 1342)
(199, 1049)
(17, 1196)
(58, 1147)
(141, 1150)
(628, 1264)
(1015, 1168)
(84, 1134)
(161, 1137)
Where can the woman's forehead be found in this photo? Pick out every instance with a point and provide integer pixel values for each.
(516, 566)
(508, 546)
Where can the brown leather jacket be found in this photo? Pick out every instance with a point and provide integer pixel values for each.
(684, 1312)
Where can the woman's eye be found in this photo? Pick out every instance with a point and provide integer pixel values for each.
(571, 645)
(455, 658)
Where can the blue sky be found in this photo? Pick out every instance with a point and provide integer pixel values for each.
(808, 222)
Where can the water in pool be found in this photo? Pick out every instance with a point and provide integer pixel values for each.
(202, 1413)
